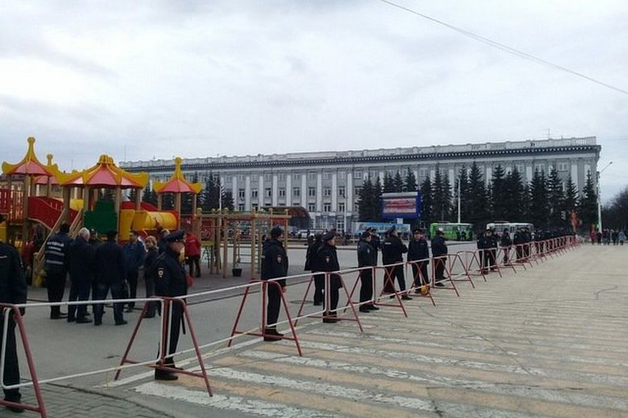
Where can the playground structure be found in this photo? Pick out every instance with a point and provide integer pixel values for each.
(36, 198)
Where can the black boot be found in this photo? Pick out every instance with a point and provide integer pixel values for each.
(271, 334)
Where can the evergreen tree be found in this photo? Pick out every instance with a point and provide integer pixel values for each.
(167, 201)
(377, 200)
(514, 197)
(398, 183)
(210, 196)
(478, 202)
(132, 194)
(498, 192)
(447, 196)
(365, 201)
(227, 201)
(410, 184)
(588, 203)
(539, 207)
(187, 198)
(462, 188)
(570, 203)
(615, 215)
(555, 199)
(149, 196)
(426, 199)
(438, 204)
(389, 184)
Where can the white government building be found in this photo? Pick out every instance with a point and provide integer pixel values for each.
(327, 183)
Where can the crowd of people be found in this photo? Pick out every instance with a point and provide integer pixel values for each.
(608, 237)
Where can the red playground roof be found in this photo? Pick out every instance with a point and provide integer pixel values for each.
(30, 164)
(178, 183)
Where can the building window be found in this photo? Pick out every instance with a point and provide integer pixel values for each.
(268, 177)
(539, 167)
(282, 176)
(296, 177)
(341, 206)
(311, 207)
(241, 208)
(520, 168)
(311, 176)
(282, 192)
(254, 206)
(326, 207)
(228, 178)
(341, 191)
(340, 225)
(341, 175)
(311, 191)
(240, 177)
(268, 192)
(563, 166)
(422, 172)
(357, 174)
(327, 191)
(241, 193)
(356, 191)
(373, 175)
(296, 191)
(254, 193)
(356, 207)
(326, 175)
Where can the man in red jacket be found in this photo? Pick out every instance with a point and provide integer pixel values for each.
(193, 254)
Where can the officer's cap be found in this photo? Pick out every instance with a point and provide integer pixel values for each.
(276, 232)
(176, 236)
(440, 231)
(329, 235)
(391, 230)
(417, 231)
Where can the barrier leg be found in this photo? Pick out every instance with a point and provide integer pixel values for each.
(197, 350)
(351, 305)
(388, 280)
(237, 320)
(292, 330)
(17, 317)
(309, 285)
(421, 279)
(124, 360)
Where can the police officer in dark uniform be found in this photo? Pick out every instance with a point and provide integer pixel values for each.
(109, 267)
(56, 267)
(12, 290)
(311, 264)
(439, 249)
(366, 258)
(327, 261)
(171, 281)
(418, 249)
(274, 265)
(392, 252)
(518, 241)
(485, 245)
(506, 243)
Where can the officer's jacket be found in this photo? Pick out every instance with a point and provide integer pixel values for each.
(81, 260)
(56, 253)
(366, 254)
(134, 255)
(439, 248)
(109, 263)
(418, 249)
(327, 258)
(310, 257)
(274, 261)
(169, 275)
(393, 250)
(506, 241)
(12, 283)
(519, 238)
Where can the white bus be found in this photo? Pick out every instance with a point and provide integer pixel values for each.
(500, 226)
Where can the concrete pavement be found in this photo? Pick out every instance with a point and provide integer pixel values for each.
(549, 341)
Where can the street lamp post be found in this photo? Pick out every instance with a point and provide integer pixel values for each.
(599, 197)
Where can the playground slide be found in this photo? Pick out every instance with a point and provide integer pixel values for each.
(46, 210)
(148, 218)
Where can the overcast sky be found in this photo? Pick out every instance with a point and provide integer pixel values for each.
(195, 78)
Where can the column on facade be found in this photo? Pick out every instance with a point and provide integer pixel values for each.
(334, 192)
(452, 180)
(288, 189)
(234, 192)
(574, 173)
(304, 191)
(274, 190)
(319, 192)
(489, 174)
(349, 193)
(260, 191)
(529, 171)
(247, 192)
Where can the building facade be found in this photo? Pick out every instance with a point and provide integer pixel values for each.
(327, 183)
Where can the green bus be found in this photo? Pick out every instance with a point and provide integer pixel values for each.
(453, 231)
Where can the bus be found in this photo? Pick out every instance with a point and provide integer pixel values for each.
(500, 226)
(453, 231)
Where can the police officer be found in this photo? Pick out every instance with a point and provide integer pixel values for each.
(327, 261)
(274, 265)
(506, 243)
(109, 267)
(392, 252)
(519, 240)
(311, 264)
(375, 241)
(81, 263)
(12, 290)
(484, 245)
(56, 268)
(439, 249)
(418, 249)
(171, 281)
(366, 258)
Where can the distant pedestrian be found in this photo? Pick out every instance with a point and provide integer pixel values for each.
(56, 268)
(109, 264)
(13, 290)
(149, 279)
(506, 244)
(193, 254)
(81, 262)
(622, 237)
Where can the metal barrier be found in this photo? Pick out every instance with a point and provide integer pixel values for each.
(440, 266)
(472, 263)
(420, 275)
(389, 281)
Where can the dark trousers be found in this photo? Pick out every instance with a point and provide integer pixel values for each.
(319, 286)
(274, 304)
(419, 273)
(332, 291)
(392, 273)
(175, 329)
(102, 289)
(488, 257)
(439, 269)
(79, 290)
(150, 291)
(131, 279)
(55, 285)
(506, 251)
(11, 366)
(366, 289)
(194, 264)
